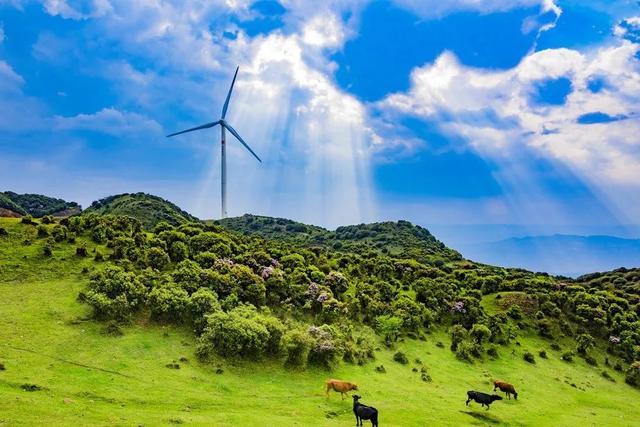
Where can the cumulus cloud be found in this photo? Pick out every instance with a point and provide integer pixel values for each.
(438, 8)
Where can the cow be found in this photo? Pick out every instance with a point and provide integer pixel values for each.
(342, 387)
(364, 412)
(482, 398)
(506, 387)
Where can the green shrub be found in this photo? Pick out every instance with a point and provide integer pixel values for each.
(81, 251)
(543, 354)
(529, 357)
(401, 358)
(555, 346)
(178, 251)
(297, 344)
(590, 360)
(567, 356)
(493, 351)
(169, 303)
(114, 294)
(239, 333)
(59, 233)
(608, 376)
(47, 219)
(327, 350)
(157, 258)
(584, 343)
(465, 351)
(47, 249)
(27, 219)
(633, 374)
(43, 230)
(388, 326)
(98, 256)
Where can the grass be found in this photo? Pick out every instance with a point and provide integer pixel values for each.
(90, 378)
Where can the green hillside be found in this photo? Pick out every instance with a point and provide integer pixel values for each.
(148, 209)
(108, 323)
(401, 239)
(36, 205)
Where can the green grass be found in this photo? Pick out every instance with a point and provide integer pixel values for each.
(89, 378)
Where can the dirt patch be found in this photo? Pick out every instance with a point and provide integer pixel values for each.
(527, 303)
(8, 213)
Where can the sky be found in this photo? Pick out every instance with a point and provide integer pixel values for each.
(516, 112)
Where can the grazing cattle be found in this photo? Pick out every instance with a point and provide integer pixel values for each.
(506, 387)
(364, 412)
(341, 387)
(482, 398)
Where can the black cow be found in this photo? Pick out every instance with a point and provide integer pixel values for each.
(482, 398)
(363, 412)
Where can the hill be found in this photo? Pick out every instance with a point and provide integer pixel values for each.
(401, 239)
(566, 255)
(106, 321)
(148, 209)
(36, 205)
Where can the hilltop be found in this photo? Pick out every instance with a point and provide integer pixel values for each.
(148, 209)
(36, 205)
(401, 238)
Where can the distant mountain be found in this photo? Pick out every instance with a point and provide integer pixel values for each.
(394, 238)
(566, 255)
(37, 205)
(149, 209)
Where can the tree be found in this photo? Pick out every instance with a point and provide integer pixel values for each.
(157, 258)
(389, 326)
(480, 333)
(584, 343)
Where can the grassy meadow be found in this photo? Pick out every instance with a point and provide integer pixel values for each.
(86, 376)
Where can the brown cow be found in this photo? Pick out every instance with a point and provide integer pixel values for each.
(506, 387)
(342, 387)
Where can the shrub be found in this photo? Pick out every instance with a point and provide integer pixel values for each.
(71, 238)
(43, 231)
(114, 294)
(241, 332)
(381, 370)
(59, 233)
(81, 251)
(584, 343)
(465, 351)
(178, 251)
(388, 326)
(401, 358)
(555, 346)
(529, 357)
(591, 360)
(27, 219)
(47, 219)
(47, 249)
(169, 303)
(98, 256)
(515, 312)
(297, 344)
(480, 333)
(633, 374)
(157, 258)
(327, 350)
(567, 356)
(3, 232)
(617, 367)
(608, 376)
(543, 354)
(493, 351)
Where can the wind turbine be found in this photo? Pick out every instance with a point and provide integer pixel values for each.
(223, 126)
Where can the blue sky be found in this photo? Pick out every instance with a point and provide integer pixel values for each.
(458, 112)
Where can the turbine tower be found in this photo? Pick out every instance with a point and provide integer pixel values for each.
(223, 126)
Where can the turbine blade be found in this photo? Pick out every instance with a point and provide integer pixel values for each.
(233, 131)
(208, 125)
(226, 102)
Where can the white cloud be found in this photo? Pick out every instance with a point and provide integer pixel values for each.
(110, 121)
(2, 36)
(77, 10)
(439, 8)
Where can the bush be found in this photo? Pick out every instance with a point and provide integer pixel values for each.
(543, 354)
(157, 258)
(169, 303)
(567, 356)
(239, 333)
(492, 351)
(81, 251)
(633, 374)
(178, 251)
(401, 358)
(297, 344)
(98, 256)
(47, 219)
(584, 343)
(556, 346)
(388, 326)
(591, 360)
(327, 350)
(114, 294)
(529, 357)
(608, 376)
(59, 233)
(465, 351)
(71, 238)
(27, 219)
(3, 232)
(47, 249)
(43, 231)
(381, 369)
